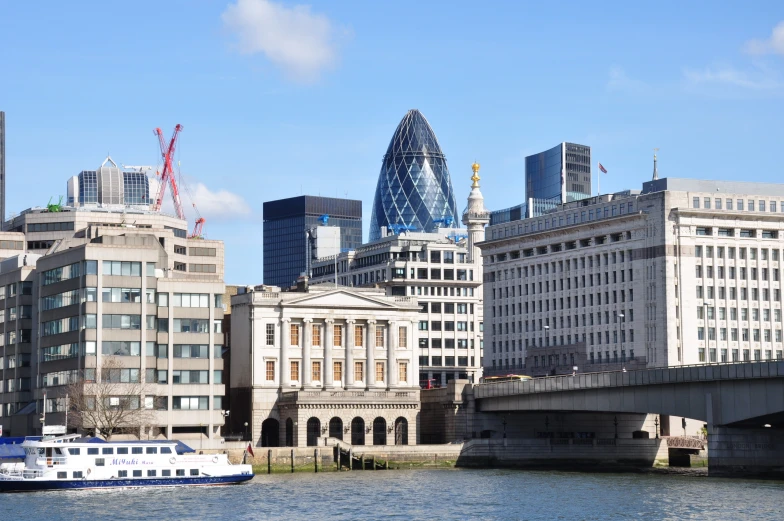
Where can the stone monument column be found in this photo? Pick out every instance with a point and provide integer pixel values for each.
(306, 377)
(327, 379)
(370, 349)
(285, 345)
(392, 342)
(348, 371)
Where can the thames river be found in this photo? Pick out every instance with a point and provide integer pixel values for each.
(422, 495)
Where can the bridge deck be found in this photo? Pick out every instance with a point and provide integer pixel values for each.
(639, 377)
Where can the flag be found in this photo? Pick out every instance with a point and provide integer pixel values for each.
(604, 170)
(250, 450)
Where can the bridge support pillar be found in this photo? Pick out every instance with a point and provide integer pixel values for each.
(746, 451)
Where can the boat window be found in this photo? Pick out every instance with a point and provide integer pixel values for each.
(152, 450)
(136, 450)
(58, 451)
(194, 472)
(107, 450)
(122, 473)
(166, 450)
(73, 452)
(77, 474)
(122, 450)
(137, 473)
(166, 473)
(180, 472)
(62, 475)
(150, 473)
(92, 450)
(99, 462)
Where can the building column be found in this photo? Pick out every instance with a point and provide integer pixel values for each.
(391, 359)
(307, 376)
(413, 371)
(349, 349)
(327, 379)
(370, 355)
(285, 343)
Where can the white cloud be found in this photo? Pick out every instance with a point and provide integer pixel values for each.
(219, 205)
(772, 45)
(760, 80)
(300, 42)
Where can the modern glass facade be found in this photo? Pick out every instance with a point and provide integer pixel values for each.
(111, 188)
(414, 187)
(88, 187)
(562, 174)
(136, 188)
(286, 222)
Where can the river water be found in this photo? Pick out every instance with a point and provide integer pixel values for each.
(421, 495)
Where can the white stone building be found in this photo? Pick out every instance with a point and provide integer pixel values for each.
(443, 270)
(683, 272)
(324, 362)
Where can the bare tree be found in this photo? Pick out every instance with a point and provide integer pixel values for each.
(111, 401)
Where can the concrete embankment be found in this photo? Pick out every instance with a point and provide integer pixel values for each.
(567, 454)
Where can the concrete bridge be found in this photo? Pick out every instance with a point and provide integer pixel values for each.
(742, 403)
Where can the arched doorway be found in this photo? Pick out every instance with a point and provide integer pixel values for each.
(401, 431)
(270, 433)
(336, 428)
(357, 431)
(289, 432)
(379, 431)
(314, 432)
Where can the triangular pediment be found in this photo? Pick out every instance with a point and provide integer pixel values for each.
(342, 299)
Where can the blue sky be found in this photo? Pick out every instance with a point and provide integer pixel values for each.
(279, 99)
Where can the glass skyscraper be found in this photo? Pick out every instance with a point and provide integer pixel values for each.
(286, 223)
(414, 189)
(562, 173)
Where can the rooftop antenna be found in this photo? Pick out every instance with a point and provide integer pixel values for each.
(655, 170)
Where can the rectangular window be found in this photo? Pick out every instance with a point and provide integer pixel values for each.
(294, 328)
(337, 335)
(316, 335)
(316, 371)
(337, 371)
(359, 335)
(294, 370)
(359, 371)
(380, 336)
(402, 336)
(379, 371)
(270, 371)
(402, 372)
(270, 334)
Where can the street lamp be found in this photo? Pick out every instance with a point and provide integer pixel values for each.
(246, 430)
(656, 425)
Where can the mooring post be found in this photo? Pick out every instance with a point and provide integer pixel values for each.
(315, 459)
(292, 461)
(351, 459)
(362, 462)
(269, 461)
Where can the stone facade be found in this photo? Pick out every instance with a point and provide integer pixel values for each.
(325, 362)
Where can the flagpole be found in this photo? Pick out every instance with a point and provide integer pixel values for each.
(599, 182)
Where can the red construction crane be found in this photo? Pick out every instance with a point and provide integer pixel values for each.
(167, 176)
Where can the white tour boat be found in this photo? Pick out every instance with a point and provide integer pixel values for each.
(69, 461)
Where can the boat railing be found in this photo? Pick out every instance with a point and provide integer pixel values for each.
(51, 461)
(21, 473)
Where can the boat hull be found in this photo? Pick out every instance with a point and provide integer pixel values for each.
(62, 484)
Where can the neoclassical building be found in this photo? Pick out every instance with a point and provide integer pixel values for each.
(325, 362)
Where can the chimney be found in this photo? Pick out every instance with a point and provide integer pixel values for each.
(302, 282)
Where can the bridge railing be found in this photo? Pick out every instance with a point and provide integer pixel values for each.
(652, 376)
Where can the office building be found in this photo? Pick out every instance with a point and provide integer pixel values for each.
(110, 186)
(289, 238)
(683, 272)
(325, 362)
(562, 173)
(2, 166)
(443, 271)
(414, 190)
(112, 287)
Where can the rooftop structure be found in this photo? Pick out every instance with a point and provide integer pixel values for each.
(414, 190)
(109, 186)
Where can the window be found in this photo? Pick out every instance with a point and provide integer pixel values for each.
(191, 351)
(337, 335)
(202, 252)
(295, 370)
(359, 371)
(379, 371)
(191, 300)
(337, 371)
(190, 377)
(201, 268)
(316, 335)
(191, 325)
(270, 371)
(402, 371)
(316, 371)
(270, 334)
(380, 336)
(189, 403)
(126, 269)
(358, 336)
(402, 336)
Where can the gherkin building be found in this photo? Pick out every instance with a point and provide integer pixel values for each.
(414, 191)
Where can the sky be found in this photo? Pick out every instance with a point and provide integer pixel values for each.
(280, 98)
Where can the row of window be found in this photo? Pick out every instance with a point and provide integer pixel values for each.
(16, 288)
(709, 293)
(337, 371)
(766, 334)
(447, 325)
(132, 322)
(736, 353)
(565, 322)
(764, 253)
(750, 204)
(449, 308)
(446, 343)
(446, 361)
(337, 335)
(710, 312)
(563, 220)
(539, 306)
